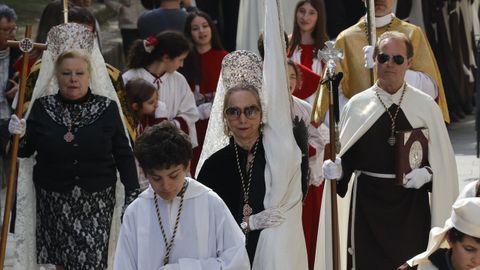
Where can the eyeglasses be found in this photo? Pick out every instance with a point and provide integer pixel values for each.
(383, 58)
(250, 112)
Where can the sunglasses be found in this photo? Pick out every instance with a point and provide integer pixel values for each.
(250, 112)
(383, 58)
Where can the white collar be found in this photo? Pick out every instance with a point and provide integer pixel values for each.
(388, 98)
(382, 21)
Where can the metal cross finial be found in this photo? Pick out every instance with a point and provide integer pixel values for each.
(330, 55)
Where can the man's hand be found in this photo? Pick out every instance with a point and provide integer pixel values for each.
(332, 170)
(417, 178)
(368, 56)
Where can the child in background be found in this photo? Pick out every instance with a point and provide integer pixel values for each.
(156, 60)
(142, 100)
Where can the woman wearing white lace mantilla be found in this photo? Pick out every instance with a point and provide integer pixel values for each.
(257, 170)
(76, 134)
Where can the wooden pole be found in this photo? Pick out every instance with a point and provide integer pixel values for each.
(333, 184)
(25, 45)
(65, 11)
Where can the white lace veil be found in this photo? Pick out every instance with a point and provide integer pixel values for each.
(61, 38)
(239, 68)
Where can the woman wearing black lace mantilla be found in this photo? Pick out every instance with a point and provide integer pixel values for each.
(80, 143)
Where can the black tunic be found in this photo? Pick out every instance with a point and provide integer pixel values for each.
(220, 173)
(391, 222)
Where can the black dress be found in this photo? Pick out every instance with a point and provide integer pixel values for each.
(220, 173)
(392, 223)
(75, 180)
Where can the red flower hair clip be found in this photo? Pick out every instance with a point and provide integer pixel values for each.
(150, 43)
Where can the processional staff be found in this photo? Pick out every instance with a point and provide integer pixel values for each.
(371, 31)
(26, 46)
(331, 55)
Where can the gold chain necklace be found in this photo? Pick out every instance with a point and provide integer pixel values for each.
(247, 209)
(391, 140)
(169, 244)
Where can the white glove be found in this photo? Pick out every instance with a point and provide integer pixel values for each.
(332, 170)
(417, 178)
(170, 266)
(161, 111)
(204, 110)
(266, 219)
(17, 126)
(368, 56)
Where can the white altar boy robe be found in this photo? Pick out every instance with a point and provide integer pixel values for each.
(207, 237)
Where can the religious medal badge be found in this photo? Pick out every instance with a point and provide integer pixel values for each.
(411, 152)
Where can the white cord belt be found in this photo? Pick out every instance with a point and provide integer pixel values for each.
(379, 175)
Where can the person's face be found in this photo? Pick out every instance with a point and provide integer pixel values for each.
(390, 71)
(292, 78)
(73, 78)
(201, 31)
(246, 125)
(167, 183)
(149, 106)
(465, 253)
(383, 7)
(175, 63)
(306, 17)
(8, 30)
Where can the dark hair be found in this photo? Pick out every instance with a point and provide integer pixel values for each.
(170, 43)
(319, 33)
(138, 91)
(298, 73)
(191, 68)
(455, 235)
(215, 41)
(8, 13)
(52, 15)
(398, 36)
(162, 146)
(261, 46)
(82, 15)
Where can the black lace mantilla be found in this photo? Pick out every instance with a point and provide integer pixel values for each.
(76, 114)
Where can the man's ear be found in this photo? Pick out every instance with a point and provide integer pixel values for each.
(187, 169)
(409, 62)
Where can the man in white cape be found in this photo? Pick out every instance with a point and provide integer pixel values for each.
(367, 156)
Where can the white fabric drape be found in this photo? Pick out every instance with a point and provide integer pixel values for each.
(251, 18)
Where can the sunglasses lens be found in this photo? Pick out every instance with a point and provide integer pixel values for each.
(382, 58)
(251, 112)
(398, 59)
(233, 112)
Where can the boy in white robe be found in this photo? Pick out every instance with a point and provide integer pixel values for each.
(177, 223)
